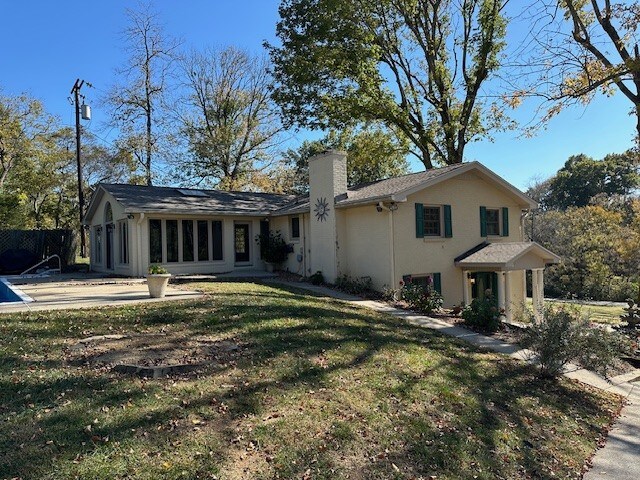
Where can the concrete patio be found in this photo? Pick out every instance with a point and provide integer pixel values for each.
(73, 294)
(86, 290)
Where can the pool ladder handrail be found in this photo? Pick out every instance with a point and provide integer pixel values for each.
(54, 270)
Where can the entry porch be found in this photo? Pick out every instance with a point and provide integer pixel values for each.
(502, 268)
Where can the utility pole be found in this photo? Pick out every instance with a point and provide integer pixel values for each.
(76, 96)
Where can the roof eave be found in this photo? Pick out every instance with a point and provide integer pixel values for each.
(496, 265)
(208, 213)
(526, 200)
(367, 201)
(95, 200)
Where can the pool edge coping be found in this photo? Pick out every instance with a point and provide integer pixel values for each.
(24, 298)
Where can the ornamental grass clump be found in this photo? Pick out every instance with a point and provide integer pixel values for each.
(562, 334)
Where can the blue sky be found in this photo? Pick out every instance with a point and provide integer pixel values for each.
(45, 45)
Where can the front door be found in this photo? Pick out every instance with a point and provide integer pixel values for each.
(109, 246)
(241, 241)
(484, 281)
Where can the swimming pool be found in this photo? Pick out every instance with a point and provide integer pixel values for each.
(10, 294)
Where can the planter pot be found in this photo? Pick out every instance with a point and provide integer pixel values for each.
(157, 283)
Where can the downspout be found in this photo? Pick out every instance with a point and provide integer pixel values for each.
(392, 253)
(139, 243)
(304, 246)
(523, 216)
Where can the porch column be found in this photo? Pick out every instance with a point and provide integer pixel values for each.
(465, 287)
(537, 291)
(507, 294)
(501, 292)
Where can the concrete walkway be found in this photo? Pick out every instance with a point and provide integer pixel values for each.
(620, 457)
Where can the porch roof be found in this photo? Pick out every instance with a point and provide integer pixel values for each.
(506, 256)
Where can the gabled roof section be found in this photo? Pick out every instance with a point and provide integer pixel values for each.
(399, 188)
(298, 205)
(166, 200)
(503, 255)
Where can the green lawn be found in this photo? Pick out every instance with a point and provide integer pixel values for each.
(597, 313)
(319, 390)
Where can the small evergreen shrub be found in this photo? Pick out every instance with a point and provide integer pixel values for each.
(563, 335)
(273, 248)
(483, 313)
(317, 278)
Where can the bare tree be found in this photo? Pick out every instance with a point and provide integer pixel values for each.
(230, 123)
(138, 100)
(578, 48)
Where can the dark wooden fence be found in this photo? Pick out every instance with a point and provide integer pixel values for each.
(41, 243)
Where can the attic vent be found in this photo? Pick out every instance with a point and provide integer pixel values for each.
(192, 193)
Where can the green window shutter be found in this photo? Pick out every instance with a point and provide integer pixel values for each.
(505, 222)
(419, 220)
(437, 283)
(483, 221)
(448, 232)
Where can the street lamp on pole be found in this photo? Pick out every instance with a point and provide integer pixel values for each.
(84, 111)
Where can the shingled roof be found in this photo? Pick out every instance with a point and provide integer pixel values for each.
(385, 188)
(503, 254)
(139, 198)
(373, 191)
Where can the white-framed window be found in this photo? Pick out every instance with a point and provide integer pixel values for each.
(188, 236)
(295, 228)
(171, 228)
(123, 242)
(155, 240)
(97, 244)
(493, 221)
(432, 221)
(426, 280)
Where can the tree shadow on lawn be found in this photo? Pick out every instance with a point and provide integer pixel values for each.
(430, 389)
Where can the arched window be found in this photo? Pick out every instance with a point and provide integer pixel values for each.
(108, 213)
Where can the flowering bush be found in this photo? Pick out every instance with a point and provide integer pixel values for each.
(421, 298)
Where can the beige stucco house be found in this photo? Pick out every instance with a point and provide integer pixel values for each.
(459, 227)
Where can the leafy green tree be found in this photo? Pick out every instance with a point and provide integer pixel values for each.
(23, 126)
(582, 178)
(598, 251)
(415, 65)
(372, 154)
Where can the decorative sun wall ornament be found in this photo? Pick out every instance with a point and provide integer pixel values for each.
(321, 209)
